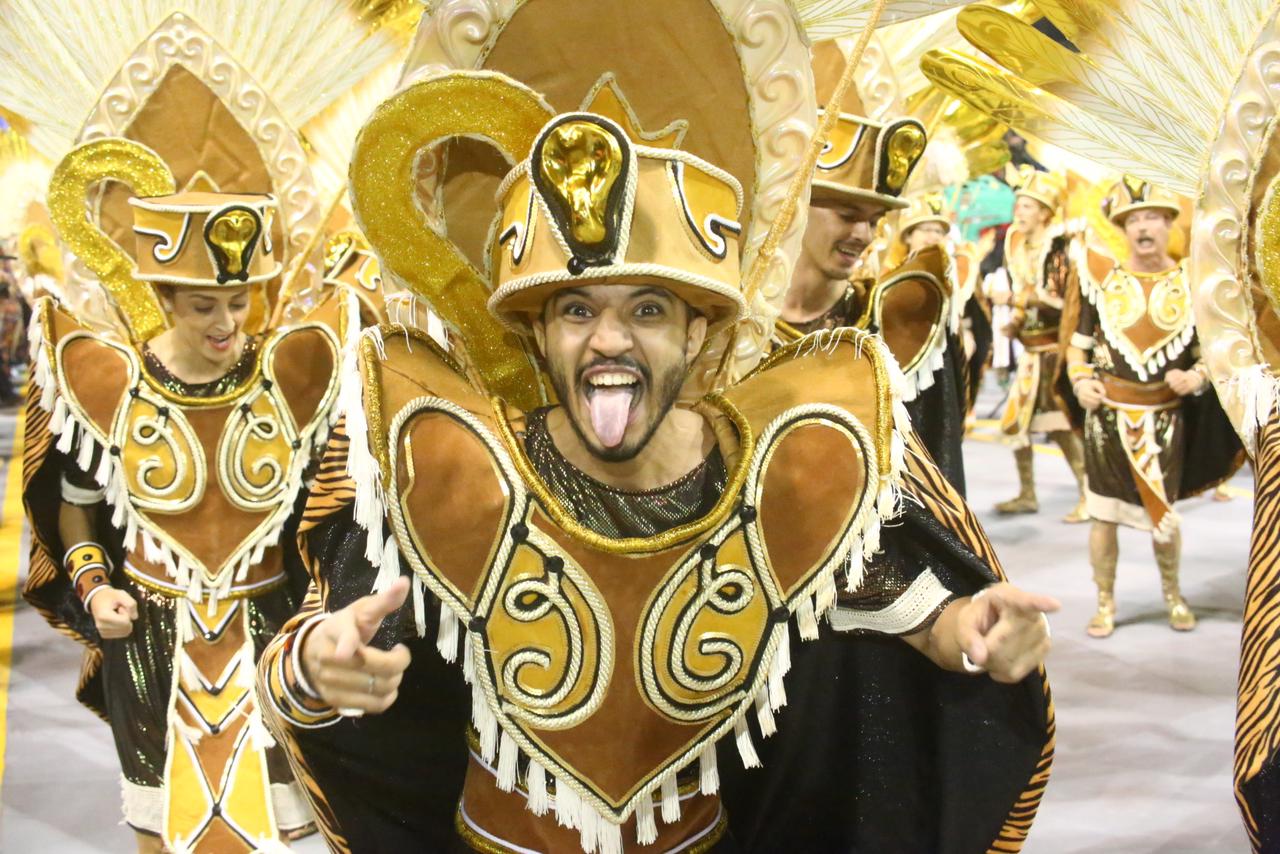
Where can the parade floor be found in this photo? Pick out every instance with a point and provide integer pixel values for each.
(1144, 719)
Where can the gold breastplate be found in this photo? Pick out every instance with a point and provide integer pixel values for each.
(201, 487)
(1145, 319)
(613, 664)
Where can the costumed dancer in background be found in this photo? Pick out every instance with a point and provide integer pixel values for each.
(1038, 264)
(868, 693)
(1185, 118)
(172, 422)
(1134, 364)
(625, 573)
(925, 223)
(838, 280)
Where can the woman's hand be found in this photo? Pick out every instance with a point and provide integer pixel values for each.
(113, 612)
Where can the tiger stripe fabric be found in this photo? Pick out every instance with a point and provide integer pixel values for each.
(331, 491)
(1258, 695)
(45, 574)
(925, 483)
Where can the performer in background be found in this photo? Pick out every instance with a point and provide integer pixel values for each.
(840, 278)
(1134, 365)
(1184, 144)
(1040, 276)
(171, 423)
(612, 564)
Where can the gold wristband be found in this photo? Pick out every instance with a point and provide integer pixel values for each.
(1076, 373)
(87, 565)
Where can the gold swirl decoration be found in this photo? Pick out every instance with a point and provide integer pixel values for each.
(709, 622)
(256, 452)
(1170, 303)
(383, 187)
(163, 460)
(146, 174)
(1123, 302)
(547, 645)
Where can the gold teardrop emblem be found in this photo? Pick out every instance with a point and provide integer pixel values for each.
(905, 146)
(582, 161)
(1137, 189)
(231, 234)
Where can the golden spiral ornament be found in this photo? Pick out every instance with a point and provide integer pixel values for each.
(383, 193)
(142, 170)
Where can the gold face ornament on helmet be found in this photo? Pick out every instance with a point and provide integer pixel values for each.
(592, 204)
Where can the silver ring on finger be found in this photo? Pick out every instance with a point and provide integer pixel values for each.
(373, 681)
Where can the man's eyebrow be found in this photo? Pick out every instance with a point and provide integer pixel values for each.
(570, 292)
(653, 291)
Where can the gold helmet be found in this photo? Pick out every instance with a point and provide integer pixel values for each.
(593, 202)
(1131, 194)
(863, 160)
(1047, 188)
(205, 239)
(922, 208)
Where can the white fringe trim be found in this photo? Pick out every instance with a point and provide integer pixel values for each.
(1255, 392)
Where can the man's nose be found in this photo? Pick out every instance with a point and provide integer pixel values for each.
(611, 335)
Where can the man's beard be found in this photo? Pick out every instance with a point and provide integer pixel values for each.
(663, 394)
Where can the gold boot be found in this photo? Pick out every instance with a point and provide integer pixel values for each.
(1073, 450)
(1181, 618)
(1104, 555)
(1026, 501)
(1103, 621)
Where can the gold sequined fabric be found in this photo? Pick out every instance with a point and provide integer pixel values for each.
(223, 385)
(618, 513)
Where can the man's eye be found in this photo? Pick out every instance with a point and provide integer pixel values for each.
(577, 309)
(649, 309)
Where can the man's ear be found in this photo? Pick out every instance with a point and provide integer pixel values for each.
(695, 335)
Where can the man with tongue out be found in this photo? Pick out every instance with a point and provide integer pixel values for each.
(630, 576)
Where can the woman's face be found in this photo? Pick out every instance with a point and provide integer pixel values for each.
(209, 321)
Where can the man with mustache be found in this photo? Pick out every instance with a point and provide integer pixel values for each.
(629, 575)
(1134, 365)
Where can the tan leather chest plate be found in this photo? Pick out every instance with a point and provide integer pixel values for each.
(206, 478)
(577, 641)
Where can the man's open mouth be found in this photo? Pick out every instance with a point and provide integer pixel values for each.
(612, 394)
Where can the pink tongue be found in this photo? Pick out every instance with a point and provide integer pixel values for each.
(610, 410)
